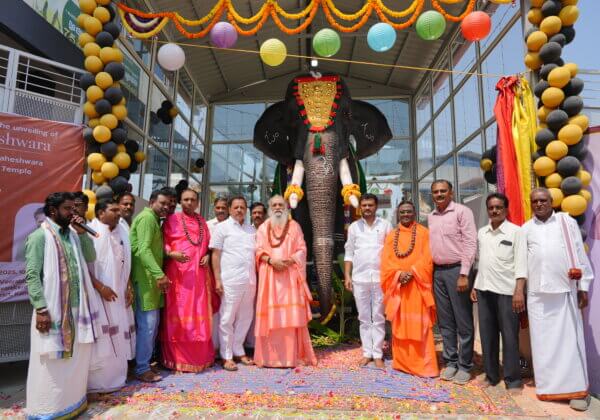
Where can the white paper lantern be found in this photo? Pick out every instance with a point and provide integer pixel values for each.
(171, 57)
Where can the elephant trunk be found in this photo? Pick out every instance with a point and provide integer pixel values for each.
(321, 193)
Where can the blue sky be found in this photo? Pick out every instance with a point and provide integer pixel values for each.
(584, 50)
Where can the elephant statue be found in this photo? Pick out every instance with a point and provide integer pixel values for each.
(310, 131)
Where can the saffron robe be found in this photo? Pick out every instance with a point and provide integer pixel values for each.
(410, 307)
(187, 317)
(283, 301)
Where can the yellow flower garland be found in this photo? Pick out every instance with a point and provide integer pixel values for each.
(295, 16)
(403, 13)
(348, 17)
(293, 189)
(349, 190)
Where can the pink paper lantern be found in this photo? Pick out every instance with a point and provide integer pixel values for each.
(476, 26)
(223, 35)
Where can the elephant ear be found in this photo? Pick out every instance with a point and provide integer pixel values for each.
(272, 134)
(369, 127)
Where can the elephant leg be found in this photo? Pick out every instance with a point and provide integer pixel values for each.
(346, 178)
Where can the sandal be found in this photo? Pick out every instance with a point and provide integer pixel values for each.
(148, 376)
(246, 361)
(230, 365)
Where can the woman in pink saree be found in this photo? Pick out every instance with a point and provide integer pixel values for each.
(187, 318)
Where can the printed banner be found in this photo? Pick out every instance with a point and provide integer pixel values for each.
(37, 157)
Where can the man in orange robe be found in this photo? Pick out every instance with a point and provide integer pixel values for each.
(283, 298)
(407, 283)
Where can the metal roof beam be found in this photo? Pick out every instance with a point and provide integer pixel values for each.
(397, 61)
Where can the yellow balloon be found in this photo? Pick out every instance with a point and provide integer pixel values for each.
(173, 112)
(110, 54)
(552, 97)
(544, 166)
(109, 120)
(581, 120)
(103, 2)
(533, 60)
(559, 77)
(535, 40)
(553, 180)
(90, 212)
(557, 196)
(91, 195)
(110, 170)
(101, 133)
(587, 194)
(93, 64)
(91, 48)
(574, 205)
(122, 101)
(85, 38)
(569, 2)
(94, 122)
(585, 177)
(121, 148)
(87, 6)
(570, 134)
(543, 113)
(92, 26)
(81, 20)
(95, 161)
(273, 52)
(104, 80)
(556, 150)
(90, 110)
(542, 125)
(120, 111)
(537, 3)
(572, 68)
(535, 16)
(568, 15)
(102, 14)
(486, 164)
(94, 93)
(122, 160)
(551, 25)
(140, 156)
(98, 178)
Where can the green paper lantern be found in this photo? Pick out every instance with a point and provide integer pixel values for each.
(326, 42)
(431, 25)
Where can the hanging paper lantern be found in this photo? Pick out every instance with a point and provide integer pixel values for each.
(476, 26)
(326, 42)
(273, 52)
(223, 35)
(381, 37)
(430, 25)
(171, 57)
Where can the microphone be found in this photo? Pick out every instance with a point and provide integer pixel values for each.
(87, 229)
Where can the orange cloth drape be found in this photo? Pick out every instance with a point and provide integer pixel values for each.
(411, 307)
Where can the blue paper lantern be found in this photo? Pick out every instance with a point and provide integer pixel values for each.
(381, 37)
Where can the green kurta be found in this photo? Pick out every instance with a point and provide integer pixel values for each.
(147, 259)
(34, 257)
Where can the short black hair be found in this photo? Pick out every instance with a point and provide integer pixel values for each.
(369, 196)
(79, 195)
(403, 202)
(125, 194)
(156, 193)
(220, 199)
(437, 181)
(257, 204)
(103, 205)
(54, 200)
(169, 192)
(236, 197)
(499, 196)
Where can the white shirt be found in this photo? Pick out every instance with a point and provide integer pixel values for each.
(363, 248)
(542, 257)
(238, 250)
(211, 224)
(496, 270)
(124, 223)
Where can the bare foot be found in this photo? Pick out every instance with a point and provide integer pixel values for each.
(364, 361)
(379, 364)
(230, 365)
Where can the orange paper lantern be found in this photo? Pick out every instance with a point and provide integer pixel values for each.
(476, 26)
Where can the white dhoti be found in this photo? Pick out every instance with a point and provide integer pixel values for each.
(236, 315)
(369, 303)
(557, 345)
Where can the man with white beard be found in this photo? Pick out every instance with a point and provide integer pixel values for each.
(283, 298)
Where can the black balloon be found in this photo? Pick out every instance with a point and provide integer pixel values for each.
(86, 80)
(112, 12)
(578, 150)
(490, 176)
(559, 62)
(119, 135)
(540, 87)
(568, 166)
(571, 185)
(105, 39)
(116, 70)
(93, 147)
(103, 107)
(536, 155)
(164, 116)
(582, 231)
(568, 32)
(113, 95)
(580, 219)
(166, 105)
(133, 165)
(574, 87)
(543, 137)
(550, 52)
(104, 192)
(109, 149)
(132, 146)
(551, 8)
(125, 173)
(572, 105)
(118, 184)
(88, 135)
(546, 69)
(556, 119)
(559, 39)
(199, 163)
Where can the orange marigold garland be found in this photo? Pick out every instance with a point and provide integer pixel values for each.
(437, 6)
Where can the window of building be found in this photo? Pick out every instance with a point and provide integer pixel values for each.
(425, 152)
(443, 134)
(235, 122)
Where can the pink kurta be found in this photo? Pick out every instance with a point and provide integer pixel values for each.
(187, 316)
(282, 302)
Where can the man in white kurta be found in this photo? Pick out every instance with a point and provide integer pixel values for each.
(554, 301)
(233, 253)
(112, 268)
(362, 261)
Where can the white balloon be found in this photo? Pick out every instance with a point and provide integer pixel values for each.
(171, 57)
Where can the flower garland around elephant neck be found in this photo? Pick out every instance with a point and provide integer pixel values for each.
(316, 98)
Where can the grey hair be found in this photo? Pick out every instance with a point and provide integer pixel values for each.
(541, 190)
(277, 196)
